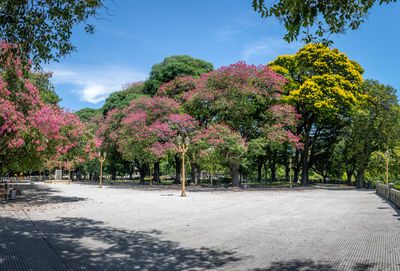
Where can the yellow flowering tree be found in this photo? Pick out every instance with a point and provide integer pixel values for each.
(324, 85)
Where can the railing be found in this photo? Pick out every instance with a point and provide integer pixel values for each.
(388, 192)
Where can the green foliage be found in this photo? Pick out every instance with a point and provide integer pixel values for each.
(85, 114)
(46, 90)
(172, 66)
(321, 17)
(373, 128)
(121, 99)
(43, 28)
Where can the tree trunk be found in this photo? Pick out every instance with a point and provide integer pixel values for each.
(304, 156)
(212, 176)
(360, 179)
(131, 169)
(259, 172)
(296, 168)
(156, 177)
(114, 173)
(198, 173)
(178, 169)
(193, 172)
(234, 173)
(273, 169)
(349, 176)
(287, 171)
(79, 173)
(142, 171)
(266, 172)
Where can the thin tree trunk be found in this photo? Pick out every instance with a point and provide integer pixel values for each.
(259, 172)
(273, 168)
(234, 173)
(142, 171)
(114, 174)
(198, 173)
(349, 176)
(360, 178)
(287, 170)
(304, 156)
(193, 172)
(266, 172)
(156, 172)
(212, 176)
(178, 169)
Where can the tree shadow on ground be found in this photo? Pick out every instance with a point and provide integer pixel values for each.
(310, 265)
(42, 195)
(84, 244)
(393, 206)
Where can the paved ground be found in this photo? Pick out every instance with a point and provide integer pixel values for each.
(82, 227)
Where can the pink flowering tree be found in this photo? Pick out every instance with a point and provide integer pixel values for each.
(107, 128)
(244, 97)
(227, 147)
(176, 88)
(31, 131)
(148, 130)
(276, 140)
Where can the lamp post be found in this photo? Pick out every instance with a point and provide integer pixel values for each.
(101, 159)
(290, 172)
(387, 166)
(182, 148)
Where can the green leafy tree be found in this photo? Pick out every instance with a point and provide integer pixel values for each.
(86, 114)
(121, 99)
(46, 89)
(373, 127)
(43, 28)
(172, 66)
(322, 18)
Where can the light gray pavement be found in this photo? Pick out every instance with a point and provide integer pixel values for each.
(82, 227)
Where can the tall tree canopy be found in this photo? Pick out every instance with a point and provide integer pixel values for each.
(374, 126)
(145, 130)
(46, 89)
(121, 99)
(173, 66)
(42, 27)
(324, 85)
(31, 130)
(244, 98)
(322, 17)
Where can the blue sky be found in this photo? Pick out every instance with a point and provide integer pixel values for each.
(139, 34)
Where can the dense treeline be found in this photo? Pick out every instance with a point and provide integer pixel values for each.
(311, 113)
(313, 108)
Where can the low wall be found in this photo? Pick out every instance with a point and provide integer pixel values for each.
(388, 192)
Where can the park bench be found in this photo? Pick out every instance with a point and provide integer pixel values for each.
(7, 192)
(4, 193)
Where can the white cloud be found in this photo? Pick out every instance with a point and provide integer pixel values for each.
(269, 47)
(226, 34)
(94, 84)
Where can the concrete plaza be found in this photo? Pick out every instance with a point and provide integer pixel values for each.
(82, 227)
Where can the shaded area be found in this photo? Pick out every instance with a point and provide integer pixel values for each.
(84, 244)
(393, 206)
(310, 265)
(42, 195)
